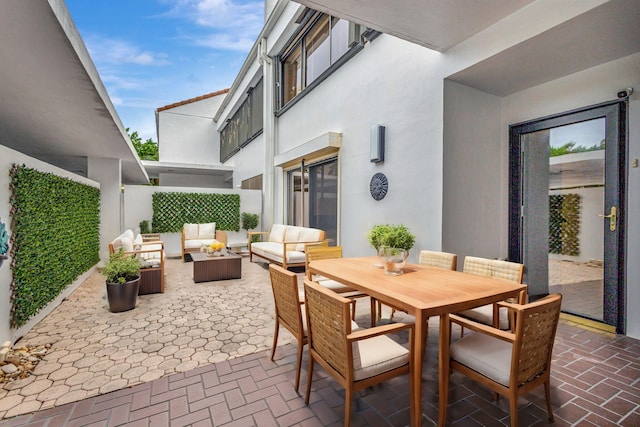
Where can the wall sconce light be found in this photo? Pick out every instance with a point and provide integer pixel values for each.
(377, 144)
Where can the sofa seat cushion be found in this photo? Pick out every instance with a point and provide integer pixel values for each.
(273, 251)
(157, 253)
(197, 243)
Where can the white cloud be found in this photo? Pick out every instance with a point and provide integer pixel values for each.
(227, 24)
(226, 42)
(114, 51)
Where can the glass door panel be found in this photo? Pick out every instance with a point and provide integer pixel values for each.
(576, 197)
(323, 198)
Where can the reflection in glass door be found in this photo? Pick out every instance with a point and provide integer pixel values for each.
(566, 209)
(576, 198)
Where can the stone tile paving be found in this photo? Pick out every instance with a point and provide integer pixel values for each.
(95, 351)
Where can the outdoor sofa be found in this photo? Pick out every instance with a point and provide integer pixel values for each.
(150, 250)
(284, 244)
(194, 236)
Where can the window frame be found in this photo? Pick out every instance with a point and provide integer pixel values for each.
(242, 121)
(307, 27)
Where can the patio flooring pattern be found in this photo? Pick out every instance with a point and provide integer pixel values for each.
(595, 378)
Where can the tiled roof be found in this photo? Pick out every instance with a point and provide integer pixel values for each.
(189, 101)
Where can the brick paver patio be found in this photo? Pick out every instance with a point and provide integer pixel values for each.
(195, 356)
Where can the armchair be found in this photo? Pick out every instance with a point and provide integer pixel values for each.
(510, 364)
(356, 359)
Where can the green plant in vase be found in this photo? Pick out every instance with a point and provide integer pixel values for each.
(394, 236)
(122, 276)
(121, 268)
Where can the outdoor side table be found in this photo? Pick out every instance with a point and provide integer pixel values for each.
(206, 268)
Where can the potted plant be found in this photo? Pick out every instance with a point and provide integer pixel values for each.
(122, 274)
(394, 236)
(249, 222)
(144, 227)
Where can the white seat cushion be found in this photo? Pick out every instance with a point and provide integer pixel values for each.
(333, 285)
(197, 243)
(484, 354)
(156, 254)
(484, 315)
(376, 355)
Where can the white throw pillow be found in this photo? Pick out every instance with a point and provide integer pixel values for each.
(128, 233)
(207, 231)
(123, 242)
(137, 243)
(190, 231)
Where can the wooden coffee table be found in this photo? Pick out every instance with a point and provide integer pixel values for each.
(206, 268)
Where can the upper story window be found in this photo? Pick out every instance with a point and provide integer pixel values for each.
(315, 51)
(244, 125)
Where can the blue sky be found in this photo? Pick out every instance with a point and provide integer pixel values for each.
(152, 53)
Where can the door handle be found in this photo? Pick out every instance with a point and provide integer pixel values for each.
(612, 218)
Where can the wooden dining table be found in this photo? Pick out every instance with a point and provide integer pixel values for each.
(422, 291)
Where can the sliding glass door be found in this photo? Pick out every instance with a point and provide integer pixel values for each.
(313, 197)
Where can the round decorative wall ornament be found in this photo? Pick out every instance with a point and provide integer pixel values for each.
(378, 186)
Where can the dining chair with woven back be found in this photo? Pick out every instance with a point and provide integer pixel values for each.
(320, 252)
(510, 363)
(355, 358)
(289, 313)
(491, 314)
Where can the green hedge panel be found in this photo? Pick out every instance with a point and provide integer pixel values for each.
(564, 224)
(55, 237)
(172, 210)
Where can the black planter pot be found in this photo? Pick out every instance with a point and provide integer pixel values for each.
(123, 297)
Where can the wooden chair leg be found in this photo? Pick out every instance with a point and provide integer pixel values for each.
(275, 339)
(513, 405)
(547, 393)
(309, 379)
(299, 363)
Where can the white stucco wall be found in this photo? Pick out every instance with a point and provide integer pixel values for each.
(192, 123)
(192, 180)
(475, 175)
(371, 89)
(7, 158)
(138, 206)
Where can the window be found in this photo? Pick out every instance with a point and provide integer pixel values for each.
(244, 125)
(315, 52)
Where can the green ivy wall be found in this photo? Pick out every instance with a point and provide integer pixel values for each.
(55, 225)
(172, 210)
